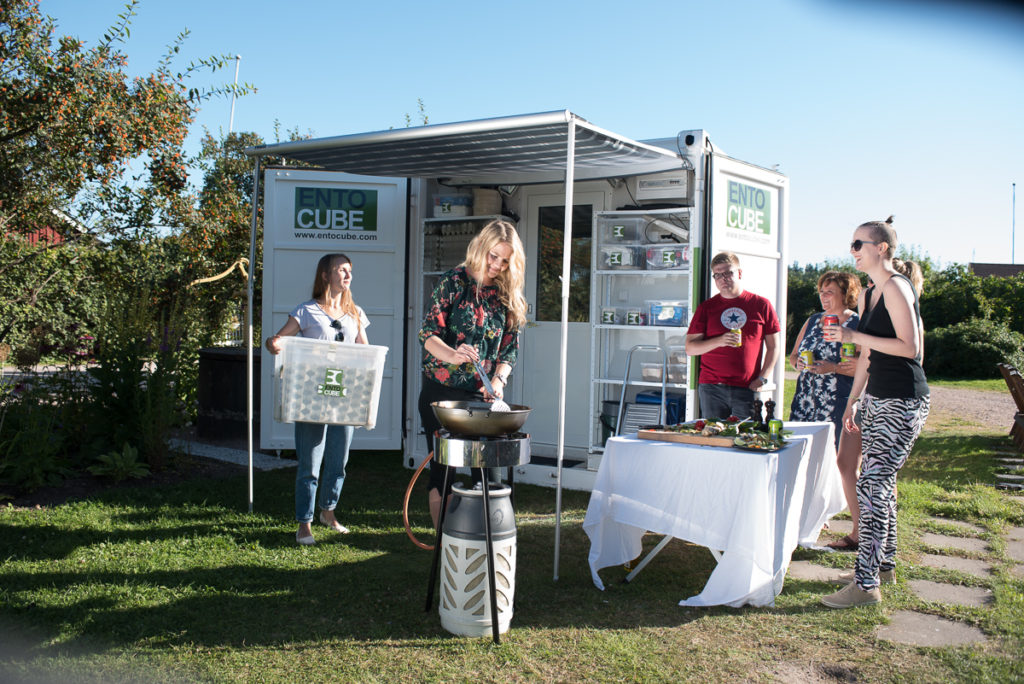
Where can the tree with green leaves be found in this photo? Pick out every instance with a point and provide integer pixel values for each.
(72, 123)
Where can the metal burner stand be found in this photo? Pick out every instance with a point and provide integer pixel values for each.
(477, 452)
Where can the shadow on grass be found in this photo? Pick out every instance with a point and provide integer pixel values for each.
(953, 460)
(185, 566)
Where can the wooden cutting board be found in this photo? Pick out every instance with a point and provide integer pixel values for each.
(667, 436)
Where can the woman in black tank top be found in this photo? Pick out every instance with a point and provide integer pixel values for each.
(893, 408)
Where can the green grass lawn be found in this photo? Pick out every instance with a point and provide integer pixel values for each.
(181, 584)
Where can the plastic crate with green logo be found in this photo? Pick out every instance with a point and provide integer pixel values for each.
(320, 381)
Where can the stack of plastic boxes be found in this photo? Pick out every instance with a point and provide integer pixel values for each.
(318, 381)
(445, 243)
(620, 240)
(639, 243)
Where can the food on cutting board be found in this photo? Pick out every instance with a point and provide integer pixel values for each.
(728, 427)
(761, 441)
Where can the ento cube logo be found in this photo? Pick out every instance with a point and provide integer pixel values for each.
(332, 386)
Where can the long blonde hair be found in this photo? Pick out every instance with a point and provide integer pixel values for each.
(512, 281)
(326, 263)
(912, 270)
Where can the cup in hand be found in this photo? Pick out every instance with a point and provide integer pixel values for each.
(830, 327)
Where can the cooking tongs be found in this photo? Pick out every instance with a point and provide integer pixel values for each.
(499, 405)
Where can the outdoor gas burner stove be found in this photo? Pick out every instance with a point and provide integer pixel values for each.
(457, 449)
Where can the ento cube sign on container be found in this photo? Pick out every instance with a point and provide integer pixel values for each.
(320, 381)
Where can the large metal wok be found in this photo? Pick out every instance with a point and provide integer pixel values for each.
(475, 418)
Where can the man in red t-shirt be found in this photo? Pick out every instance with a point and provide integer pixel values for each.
(731, 366)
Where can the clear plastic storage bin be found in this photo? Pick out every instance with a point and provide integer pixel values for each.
(666, 312)
(448, 206)
(626, 257)
(613, 315)
(667, 256)
(618, 230)
(677, 353)
(319, 381)
(635, 316)
(651, 372)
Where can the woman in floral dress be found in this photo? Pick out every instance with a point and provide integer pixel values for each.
(476, 313)
(824, 386)
(822, 389)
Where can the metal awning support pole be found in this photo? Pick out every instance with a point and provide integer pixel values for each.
(570, 174)
(249, 288)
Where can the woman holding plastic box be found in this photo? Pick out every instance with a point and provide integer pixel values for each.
(476, 313)
(331, 314)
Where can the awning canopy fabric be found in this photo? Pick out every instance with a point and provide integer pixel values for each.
(514, 150)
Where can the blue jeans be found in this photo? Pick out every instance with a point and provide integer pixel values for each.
(722, 401)
(316, 444)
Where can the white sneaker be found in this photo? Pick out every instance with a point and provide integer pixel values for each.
(305, 541)
(851, 595)
(334, 524)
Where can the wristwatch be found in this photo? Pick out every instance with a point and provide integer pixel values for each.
(764, 380)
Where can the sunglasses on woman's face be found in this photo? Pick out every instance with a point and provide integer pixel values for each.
(340, 337)
(857, 244)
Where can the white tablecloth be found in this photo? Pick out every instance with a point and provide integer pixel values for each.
(754, 507)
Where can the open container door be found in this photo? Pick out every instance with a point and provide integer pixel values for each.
(749, 216)
(308, 214)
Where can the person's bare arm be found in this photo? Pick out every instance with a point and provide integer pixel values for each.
(290, 328)
(698, 344)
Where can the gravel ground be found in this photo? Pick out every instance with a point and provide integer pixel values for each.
(986, 409)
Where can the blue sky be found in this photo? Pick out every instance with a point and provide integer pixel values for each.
(910, 107)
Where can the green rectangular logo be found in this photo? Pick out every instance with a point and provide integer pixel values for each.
(335, 209)
(332, 386)
(749, 208)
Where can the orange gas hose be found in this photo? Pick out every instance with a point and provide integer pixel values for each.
(405, 505)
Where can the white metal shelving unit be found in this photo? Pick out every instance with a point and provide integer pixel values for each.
(444, 247)
(621, 284)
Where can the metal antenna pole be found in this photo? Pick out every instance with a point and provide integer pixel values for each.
(231, 122)
(1013, 227)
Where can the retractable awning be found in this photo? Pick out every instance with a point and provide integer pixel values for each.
(513, 150)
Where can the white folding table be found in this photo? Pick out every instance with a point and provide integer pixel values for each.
(751, 509)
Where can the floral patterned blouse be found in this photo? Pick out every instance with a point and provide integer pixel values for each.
(463, 312)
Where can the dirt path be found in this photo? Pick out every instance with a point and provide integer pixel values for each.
(992, 410)
(987, 409)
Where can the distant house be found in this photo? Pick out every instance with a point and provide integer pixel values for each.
(55, 234)
(45, 234)
(999, 270)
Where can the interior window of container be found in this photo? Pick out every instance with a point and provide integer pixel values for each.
(551, 223)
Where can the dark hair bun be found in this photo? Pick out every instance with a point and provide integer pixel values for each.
(889, 220)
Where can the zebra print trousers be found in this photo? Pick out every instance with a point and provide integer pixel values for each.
(889, 430)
